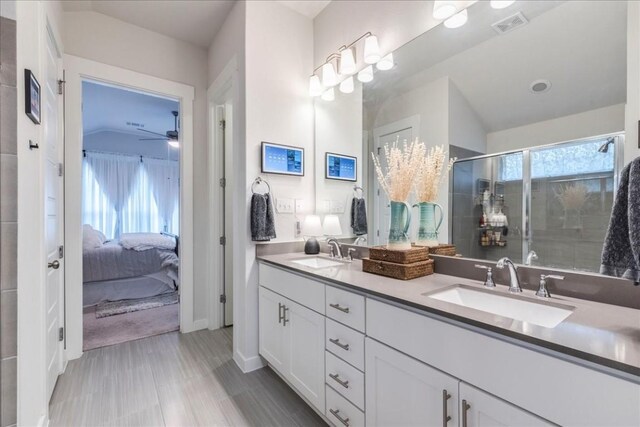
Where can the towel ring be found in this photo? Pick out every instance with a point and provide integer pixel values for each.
(355, 190)
(259, 181)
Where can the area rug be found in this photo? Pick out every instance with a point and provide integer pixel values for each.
(128, 326)
(112, 308)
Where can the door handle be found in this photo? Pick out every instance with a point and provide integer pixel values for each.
(339, 307)
(337, 379)
(445, 417)
(465, 408)
(280, 316)
(336, 413)
(284, 315)
(337, 342)
(55, 265)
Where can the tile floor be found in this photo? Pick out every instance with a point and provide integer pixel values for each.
(173, 380)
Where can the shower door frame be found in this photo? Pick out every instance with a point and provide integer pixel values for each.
(527, 236)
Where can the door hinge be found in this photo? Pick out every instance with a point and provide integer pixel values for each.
(378, 233)
(223, 240)
(60, 169)
(223, 182)
(61, 334)
(61, 86)
(60, 251)
(222, 124)
(223, 299)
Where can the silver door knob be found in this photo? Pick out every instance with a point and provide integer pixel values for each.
(55, 264)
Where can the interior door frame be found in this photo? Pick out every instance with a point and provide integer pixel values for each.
(222, 97)
(78, 70)
(412, 122)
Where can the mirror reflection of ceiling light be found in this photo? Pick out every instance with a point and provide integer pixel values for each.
(386, 63)
(328, 95)
(347, 85)
(371, 50)
(444, 9)
(347, 62)
(173, 143)
(366, 75)
(315, 87)
(329, 76)
(457, 20)
(501, 4)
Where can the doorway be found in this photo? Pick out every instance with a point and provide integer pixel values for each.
(130, 214)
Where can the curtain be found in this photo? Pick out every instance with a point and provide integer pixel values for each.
(121, 194)
(164, 178)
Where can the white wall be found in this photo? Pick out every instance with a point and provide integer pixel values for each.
(338, 129)
(632, 112)
(465, 127)
(104, 39)
(589, 123)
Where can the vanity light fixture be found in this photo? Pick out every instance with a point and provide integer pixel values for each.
(444, 9)
(331, 226)
(329, 76)
(386, 63)
(347, 85)
(366, 75)
(328, 95)
(501, 4)
(371, 50)
(347, 61)
(457, 20)
(315, 87)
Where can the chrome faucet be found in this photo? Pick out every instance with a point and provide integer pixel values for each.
(514, 282)
(360, 240)
(334, 247)
(531, 256)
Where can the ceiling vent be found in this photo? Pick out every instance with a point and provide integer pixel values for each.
(509, 24)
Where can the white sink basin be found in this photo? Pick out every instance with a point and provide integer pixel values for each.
(541, 314)
(317, 262)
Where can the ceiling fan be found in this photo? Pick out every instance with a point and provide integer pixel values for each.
(171, 136)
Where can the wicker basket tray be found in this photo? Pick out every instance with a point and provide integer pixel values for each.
(448, 250)
(398, 271)
(407, 256)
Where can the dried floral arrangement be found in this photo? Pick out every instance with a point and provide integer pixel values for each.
(430, 173)
(397, 172)
(572, 196)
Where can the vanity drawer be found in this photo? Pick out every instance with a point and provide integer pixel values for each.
(345, 379)
(345, 343)
(345, 307)
(297, 288)
(341, 412)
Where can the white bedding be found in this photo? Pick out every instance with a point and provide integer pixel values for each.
(124, 289)
(146, 241)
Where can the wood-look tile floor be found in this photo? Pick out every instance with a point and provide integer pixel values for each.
(173, 380)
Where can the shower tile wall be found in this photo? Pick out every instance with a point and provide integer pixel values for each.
(8, 221)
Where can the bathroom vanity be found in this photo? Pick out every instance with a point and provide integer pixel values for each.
(368, 350)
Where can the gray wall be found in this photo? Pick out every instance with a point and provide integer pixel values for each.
(8, 221)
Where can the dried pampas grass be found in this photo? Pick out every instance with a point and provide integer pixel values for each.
(401, 163)
(572, 196)
(430, 174)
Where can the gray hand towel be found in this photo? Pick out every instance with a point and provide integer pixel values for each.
(621, 251)
(263, 226)
(358, 216)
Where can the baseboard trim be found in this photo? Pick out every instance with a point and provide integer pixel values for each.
(248, 364)
(200, 324)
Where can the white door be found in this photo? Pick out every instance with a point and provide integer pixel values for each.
(381, 219)
(53, 151)
(305, 340)
(401, 391)
(480, 409)
(271, 333)
(227, 161)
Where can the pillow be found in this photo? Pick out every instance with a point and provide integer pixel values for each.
(91, 238)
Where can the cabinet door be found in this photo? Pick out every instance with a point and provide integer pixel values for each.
(401, 391)
(305, 340)
(271, 329)
(480, 409)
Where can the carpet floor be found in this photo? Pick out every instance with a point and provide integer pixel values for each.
(128, 326)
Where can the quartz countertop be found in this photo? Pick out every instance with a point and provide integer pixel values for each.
(604, 334)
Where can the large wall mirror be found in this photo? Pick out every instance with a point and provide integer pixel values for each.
(530, 99)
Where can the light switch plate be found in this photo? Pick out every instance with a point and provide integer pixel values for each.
(284, 206)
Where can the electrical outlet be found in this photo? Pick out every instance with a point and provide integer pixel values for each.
(300, 205)
(297, 228)
(284, 206)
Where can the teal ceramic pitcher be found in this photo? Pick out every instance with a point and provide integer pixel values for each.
(428, 229)
(399, 226)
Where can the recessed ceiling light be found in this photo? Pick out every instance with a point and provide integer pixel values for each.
(457, 20)
(540, 86)
(501, 4)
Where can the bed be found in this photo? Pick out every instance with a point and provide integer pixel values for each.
(117, 270)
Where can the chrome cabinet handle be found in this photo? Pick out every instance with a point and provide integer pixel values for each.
(445, 417)
(465, 408)
(55, 265)
(337, 379)
(336, 413)
(284, 315)
(280, 315)
(339, 344)
(339, 307)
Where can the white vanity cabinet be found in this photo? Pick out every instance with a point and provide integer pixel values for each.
(401, 391)
(292, 341)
